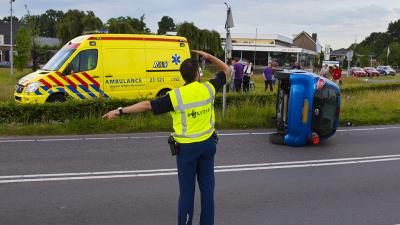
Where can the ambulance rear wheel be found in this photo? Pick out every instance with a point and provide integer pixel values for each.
(163, 92)
(58, 97)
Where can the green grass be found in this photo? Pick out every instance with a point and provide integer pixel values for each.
(7, 83)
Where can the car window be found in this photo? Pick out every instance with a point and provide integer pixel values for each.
(86, 60)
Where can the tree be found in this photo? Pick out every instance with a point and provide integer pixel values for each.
(6, 19)
(394, 31)
(166, 24)
(205, 40)
(120, 26)
(48, 22)
(91, 22)
(23, 45)
(127, 25)
(191, 33)
(75, 22)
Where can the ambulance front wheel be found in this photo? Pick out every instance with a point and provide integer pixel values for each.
(276, 138)
(57, 97)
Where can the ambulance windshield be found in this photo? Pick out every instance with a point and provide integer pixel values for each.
(58, 59)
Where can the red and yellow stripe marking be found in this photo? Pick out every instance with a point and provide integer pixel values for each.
(78, 85)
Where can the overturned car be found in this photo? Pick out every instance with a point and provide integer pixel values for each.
(307, 108)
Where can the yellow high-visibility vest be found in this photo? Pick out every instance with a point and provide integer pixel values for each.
(193, 118)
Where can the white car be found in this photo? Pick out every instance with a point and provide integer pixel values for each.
(386, 70)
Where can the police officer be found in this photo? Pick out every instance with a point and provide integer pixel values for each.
(192, 111)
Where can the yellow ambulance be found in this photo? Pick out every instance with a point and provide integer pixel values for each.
(107, 66)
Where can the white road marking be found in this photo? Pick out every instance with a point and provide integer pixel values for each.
(170, 172)
(165, 136)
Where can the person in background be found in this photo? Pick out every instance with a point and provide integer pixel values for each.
(336, 75)
(324, 71)
(268, 77)
(238, 79)
(296, 66)
(247, 73)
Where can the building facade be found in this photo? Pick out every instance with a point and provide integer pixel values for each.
(264, 48)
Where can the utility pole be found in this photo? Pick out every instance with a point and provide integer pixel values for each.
(11, 40)
(255, 49)
(228, 49)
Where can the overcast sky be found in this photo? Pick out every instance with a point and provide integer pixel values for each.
(337, 22)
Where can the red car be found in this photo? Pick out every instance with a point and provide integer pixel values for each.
(371, 71)
(357, 72)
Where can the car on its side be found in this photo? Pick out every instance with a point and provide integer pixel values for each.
(357, 72)
(386, 70)
(371, 71)
(307, 108)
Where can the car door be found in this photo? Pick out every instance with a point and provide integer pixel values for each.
(84, 74)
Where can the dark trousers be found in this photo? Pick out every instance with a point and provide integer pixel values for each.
(246, 83)
(238, 84)
(196, 159)
(270, 84)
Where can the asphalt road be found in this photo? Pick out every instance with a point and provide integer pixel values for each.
(352, 178)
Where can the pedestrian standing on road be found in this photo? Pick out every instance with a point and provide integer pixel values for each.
(268, 80)
(324, 71)
(238, 67)
(194, 140)
(336, 75)
(247, 74)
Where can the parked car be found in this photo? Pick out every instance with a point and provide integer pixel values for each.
(357, 72)
(371, 71)
(386, 70)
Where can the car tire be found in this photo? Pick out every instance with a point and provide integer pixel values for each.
(58, 97)
(277, 138)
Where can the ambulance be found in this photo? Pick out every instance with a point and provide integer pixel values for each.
(107, 66)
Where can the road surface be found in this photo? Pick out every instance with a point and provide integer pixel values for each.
(352, 178)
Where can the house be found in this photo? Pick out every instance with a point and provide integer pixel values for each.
(5, 43)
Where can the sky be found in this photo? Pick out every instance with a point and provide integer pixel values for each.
(338, 23)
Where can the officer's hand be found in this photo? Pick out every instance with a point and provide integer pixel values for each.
(111, 115)
(205, 55)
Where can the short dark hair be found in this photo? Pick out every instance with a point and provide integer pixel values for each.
(236, 59)
(189, 69)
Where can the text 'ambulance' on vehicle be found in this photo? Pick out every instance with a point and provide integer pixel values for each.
(107, 66)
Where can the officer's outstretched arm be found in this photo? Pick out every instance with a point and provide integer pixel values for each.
(138, 107)
(214, 60)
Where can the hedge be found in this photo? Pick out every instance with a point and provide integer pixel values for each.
(11, 112)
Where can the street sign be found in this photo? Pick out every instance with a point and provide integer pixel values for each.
(327, 52)
(349, 55)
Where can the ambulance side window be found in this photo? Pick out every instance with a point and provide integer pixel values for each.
(86, 60)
